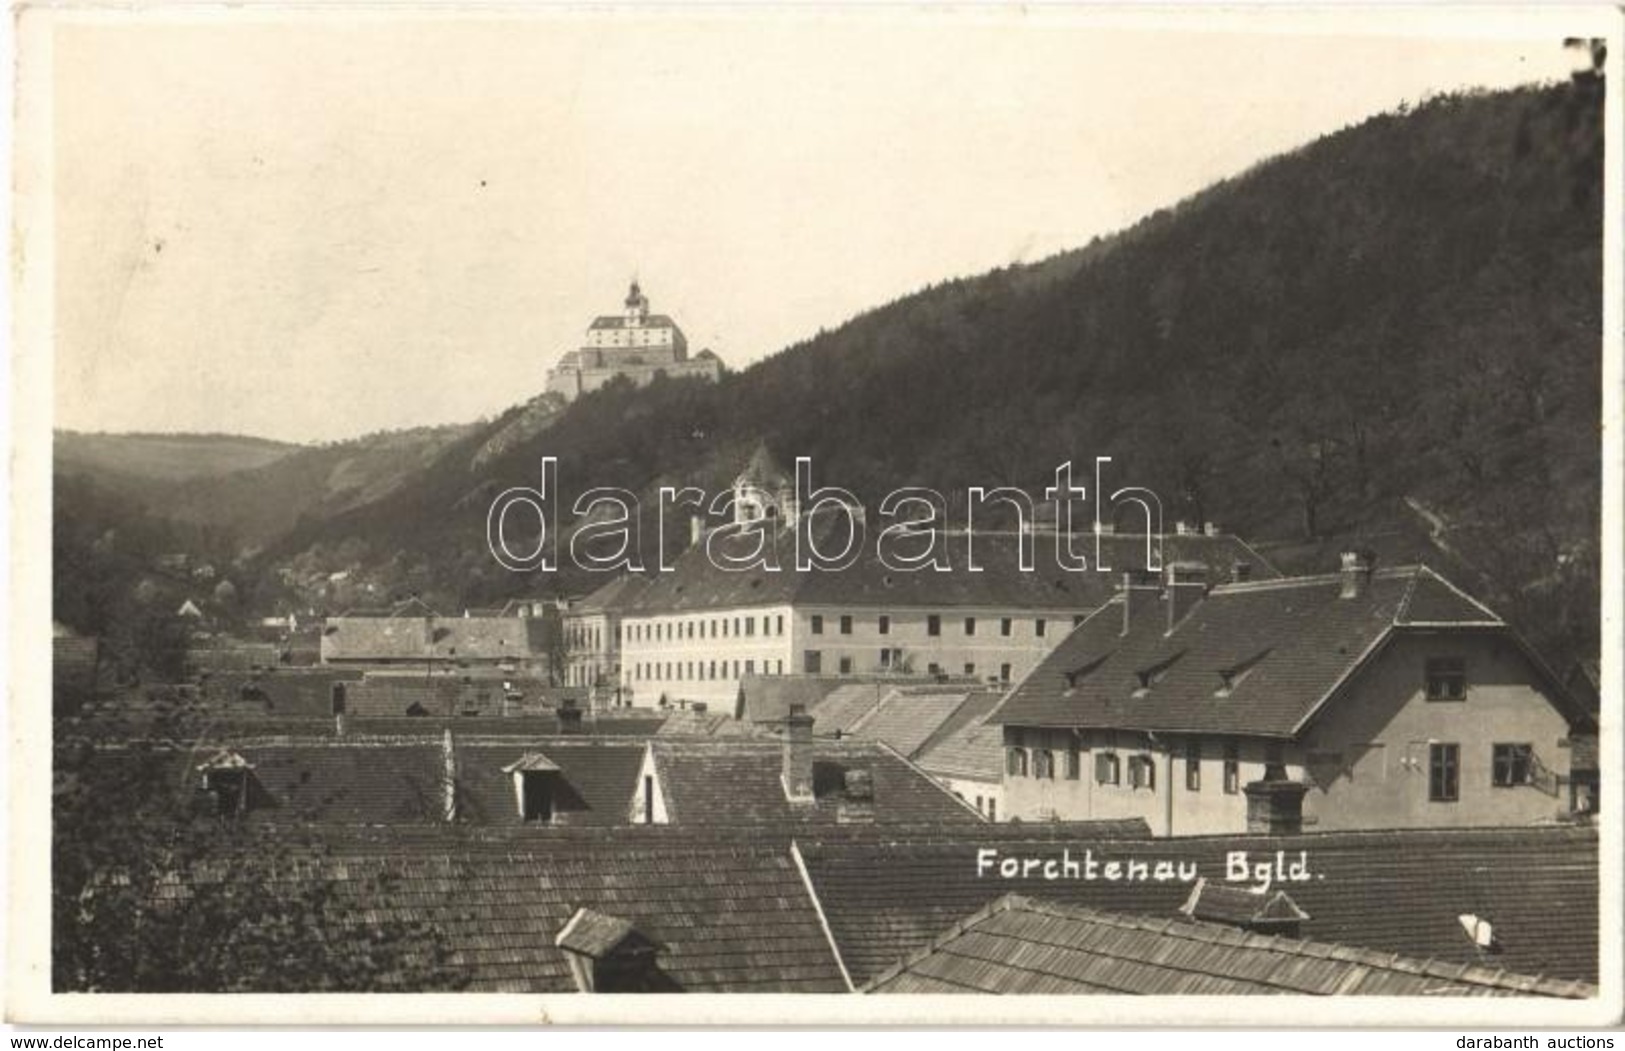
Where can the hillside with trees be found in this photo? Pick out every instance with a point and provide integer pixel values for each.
(1389, 337)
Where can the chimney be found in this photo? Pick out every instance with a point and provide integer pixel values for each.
(798, 755)
(1210, 529)
(449, 754)
(1241, 571)
(569, 716)
(1356, 572)
(1187, 585)
(1182, 529)
(857, 799)
(1139, 596)
(1275, 804)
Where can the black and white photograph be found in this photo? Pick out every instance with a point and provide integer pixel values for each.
(840, 511)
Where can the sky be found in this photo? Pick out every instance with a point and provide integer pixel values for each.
(318, 228)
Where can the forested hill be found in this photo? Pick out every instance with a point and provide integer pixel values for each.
(1392, 334)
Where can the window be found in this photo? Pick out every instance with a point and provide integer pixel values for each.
(846, 665)
(1004, 673)
(1038, 627)
(750, 627)
(992, 809)
(1074, 764)
(1015, 762)
(1193, 766)
(1232, 770)
(1107, 770)
(764, 624)
(846, 624)
(1044, 764)
(1006, 626)
(970, 668)
(750, 667)
(885, 624)
(817, 624)
(970, 625)
(780, 622)
(1444, 773)
(1511, 764)
(1142, 771)
(812, 662)
(1446, 679)
(933, 625)
(933, 668)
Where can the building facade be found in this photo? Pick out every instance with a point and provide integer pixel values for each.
(1362, 700)
(695, 631)
(634, 344)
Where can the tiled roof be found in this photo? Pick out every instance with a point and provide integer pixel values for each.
(696, 582)
(599, 779)
(612, 595)
(728, 917)
(767, 698)
(844, 707)
(979, 703)
(402, 780)
(1019, 945)
(1398, 892)
(432, 638)
(1280, 647)
(739, 782)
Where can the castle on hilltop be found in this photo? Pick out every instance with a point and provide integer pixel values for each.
(635, 344)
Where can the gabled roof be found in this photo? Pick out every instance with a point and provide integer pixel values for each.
(1397, 892)
(612, 595)
(1254, 658)
(1021, 945)
(739, 782)
(697, 583)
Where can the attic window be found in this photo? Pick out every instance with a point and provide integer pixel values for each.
(1152, 675)
(1446, 679)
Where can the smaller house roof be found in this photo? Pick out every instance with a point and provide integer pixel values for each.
(1249, 658)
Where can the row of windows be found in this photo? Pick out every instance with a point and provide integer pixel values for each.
(1142, 771)
(1511, 765)
(700, 671)
(580, 636)
(705, 628)
(933, 625)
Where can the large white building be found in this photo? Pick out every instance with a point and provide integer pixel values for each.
(635, 344)
(693, 632)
